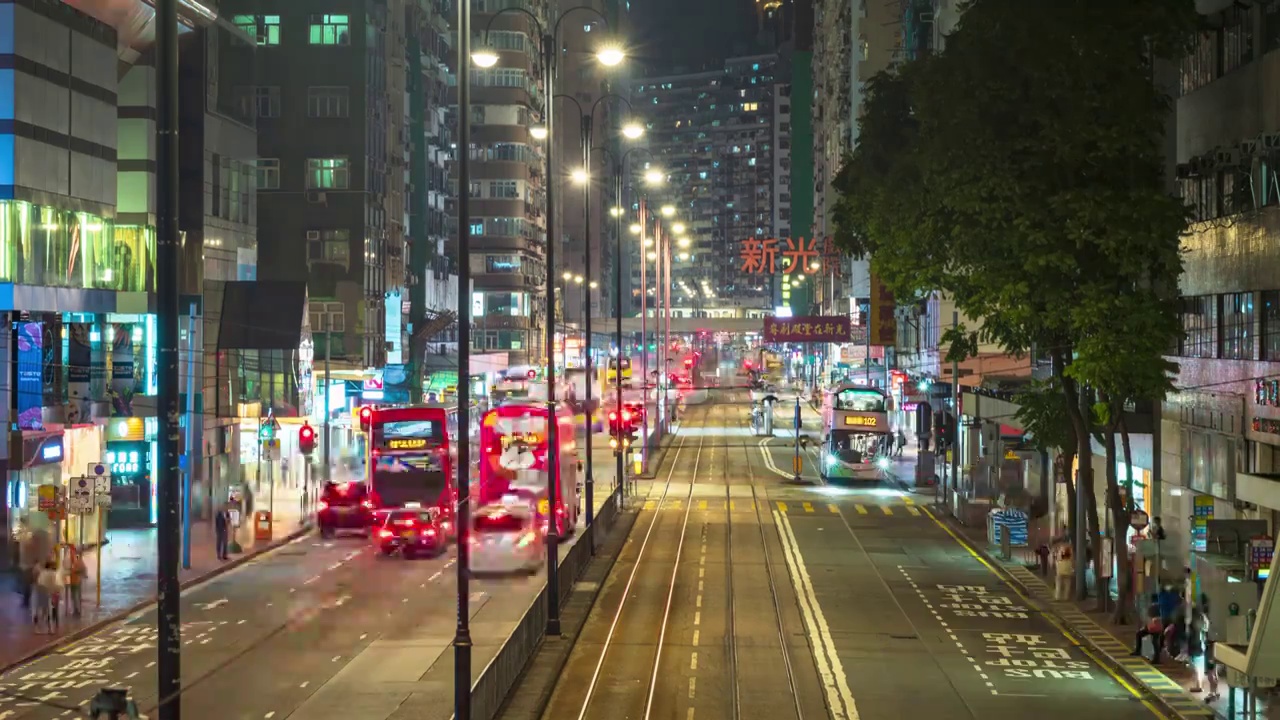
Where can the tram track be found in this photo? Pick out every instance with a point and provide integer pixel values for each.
(779, 622)
(657, 515)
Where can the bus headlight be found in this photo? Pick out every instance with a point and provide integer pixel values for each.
(882, 462)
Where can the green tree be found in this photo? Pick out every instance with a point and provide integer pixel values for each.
(1020, 171)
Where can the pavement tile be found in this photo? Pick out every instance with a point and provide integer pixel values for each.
(128, 579)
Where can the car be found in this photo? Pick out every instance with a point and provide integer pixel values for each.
(636, 409)
(506, 539)
(412, 532)
(345, 506)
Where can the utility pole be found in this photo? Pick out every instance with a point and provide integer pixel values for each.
(462, 633)
(169, 535)
(328, 348)
(586, 294)
(188, 476)
(955, 408)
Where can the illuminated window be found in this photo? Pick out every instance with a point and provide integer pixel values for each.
(328, 173)
(268, 170)
(264, 29)
(329, 30)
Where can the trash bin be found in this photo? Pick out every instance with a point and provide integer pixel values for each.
(262, 525)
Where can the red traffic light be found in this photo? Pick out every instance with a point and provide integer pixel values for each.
(306, 439)
(688, 362)
(366, 418)
(613, 416)
(533, 374)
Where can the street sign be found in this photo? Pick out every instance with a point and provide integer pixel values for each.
(1139, 520)
(797, 413)
(80, 504)
(47, 497)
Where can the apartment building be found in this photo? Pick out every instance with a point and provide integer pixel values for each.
(713, 134)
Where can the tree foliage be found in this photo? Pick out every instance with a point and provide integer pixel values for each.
(1020, 171)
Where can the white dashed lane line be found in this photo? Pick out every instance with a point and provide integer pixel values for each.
(977, 667)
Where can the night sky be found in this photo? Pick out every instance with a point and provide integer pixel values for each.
(688, 35)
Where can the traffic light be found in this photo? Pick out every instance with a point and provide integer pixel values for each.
(688, 362)
(366, 418)
(532, 373)
(307, 439)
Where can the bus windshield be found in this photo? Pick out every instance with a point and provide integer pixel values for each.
(613, 363)
(860, 400)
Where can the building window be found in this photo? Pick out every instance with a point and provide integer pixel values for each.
(500, 77)
(1237, 326)
(268, 173)
(502, 263)
(1199, 67)
(327, 317)
(328, 102)
(505, 189)
(264, 29)
(266, 100)
(329, 30)
(508, 40)
(1200, 326)
(1271, 325)
(328, 174)
(329, 246)
(477, 227)
(1237, 37)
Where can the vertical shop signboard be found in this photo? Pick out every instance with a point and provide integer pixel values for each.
(1201, 516)
(30, 341)
(122, 380)
(79, 361)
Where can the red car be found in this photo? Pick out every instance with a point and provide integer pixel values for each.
(412, 532)
(344, 506)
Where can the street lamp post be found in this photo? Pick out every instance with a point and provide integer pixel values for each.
(462, 634)
(607, 56)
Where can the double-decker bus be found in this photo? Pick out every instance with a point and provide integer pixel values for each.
(855, 424)
(513, 461)
(414, 458)
(611, 375)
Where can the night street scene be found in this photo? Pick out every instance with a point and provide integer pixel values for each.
(640, 359)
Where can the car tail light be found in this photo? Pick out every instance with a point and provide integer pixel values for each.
(384, 533)
(429, 532)
(367, 504)
(324, 505)
(613, 416)
(626, 416)
(445, 525)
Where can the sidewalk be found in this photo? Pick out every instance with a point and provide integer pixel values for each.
(1171, 681)
(128, 581)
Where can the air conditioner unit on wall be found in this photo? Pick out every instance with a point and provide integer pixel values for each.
(313, 235)
(316, 197)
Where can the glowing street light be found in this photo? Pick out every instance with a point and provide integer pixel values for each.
(648, 242)
(653, 256)
(683, 242)
(632, 131)
(677, 228)
(579, 176)
(567, 276)
(668, 210)
(635, 228)
(684, 256)
(484, 58)
(654, 177)
(610, 56)
(539, 132)
(615, 211)
(577, 280)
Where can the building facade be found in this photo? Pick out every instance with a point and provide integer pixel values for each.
(712, 134)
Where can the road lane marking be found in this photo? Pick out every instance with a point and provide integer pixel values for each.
(929, 606)
(834, 683)
(862, 509)
(269, 715)
(313, 579)
(689, 715)
(364, 635)
(693, 686)
(782, 506)
(732, 506)
(808, 507)
(696, 635)
(699, 601)
(701, 571)
(697, 618)
(693, 661)
(305, 683)
(887, 510)
(1122, 682)
(700, 582)
(908, 500)
(702, 504)
(832, 507)
(336, 658)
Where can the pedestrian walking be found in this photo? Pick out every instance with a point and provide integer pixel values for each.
(1065, 574)
(76, 573)
(221, 531)
(43, 598)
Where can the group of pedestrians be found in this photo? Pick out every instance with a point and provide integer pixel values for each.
(48, 575)
(1183, 633)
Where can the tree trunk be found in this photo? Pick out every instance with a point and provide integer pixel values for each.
(1124, 563)
(1069, 460)
(1113, 503)
(1084, 452)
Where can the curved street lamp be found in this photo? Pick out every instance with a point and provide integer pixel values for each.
(486, 57)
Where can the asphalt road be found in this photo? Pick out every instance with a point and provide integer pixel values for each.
(315, 630)
(686, 625)
(905, 617)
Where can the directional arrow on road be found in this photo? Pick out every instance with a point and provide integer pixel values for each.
(215, 604)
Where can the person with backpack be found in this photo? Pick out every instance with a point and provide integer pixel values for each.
(1153, 627)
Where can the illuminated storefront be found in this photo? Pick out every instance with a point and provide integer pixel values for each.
(45, 246)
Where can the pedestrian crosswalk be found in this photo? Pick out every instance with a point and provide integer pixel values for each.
(892, 507)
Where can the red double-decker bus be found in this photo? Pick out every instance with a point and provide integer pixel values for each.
(413, 462)
(513, 462)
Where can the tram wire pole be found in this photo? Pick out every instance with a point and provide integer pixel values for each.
(462, 635)
(169, 476)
